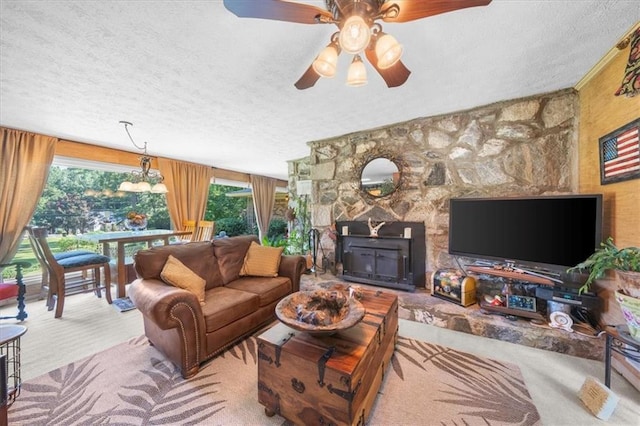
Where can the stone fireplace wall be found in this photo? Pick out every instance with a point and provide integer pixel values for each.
(520, 147)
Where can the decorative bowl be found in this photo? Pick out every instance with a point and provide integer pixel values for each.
(135, 224)
(319, 312)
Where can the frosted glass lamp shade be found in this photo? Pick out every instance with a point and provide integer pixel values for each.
(326, 62)
(357, 74)
(354, 35)
(141, 187)
(388, 51)
(126, 187)
(159, 188)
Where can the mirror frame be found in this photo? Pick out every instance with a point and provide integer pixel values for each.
(367, 163)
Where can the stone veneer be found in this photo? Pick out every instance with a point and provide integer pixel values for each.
(419, 306)
(520, 147)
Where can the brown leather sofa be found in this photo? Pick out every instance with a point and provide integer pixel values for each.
(189, 333)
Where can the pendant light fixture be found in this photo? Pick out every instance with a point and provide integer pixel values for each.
(143, 178)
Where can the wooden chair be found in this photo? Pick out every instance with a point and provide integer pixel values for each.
(204, 231)
(188, 225)
(44, 286)
(59, 286)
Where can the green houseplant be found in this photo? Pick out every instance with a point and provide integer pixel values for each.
(609, 257)
(625, 262)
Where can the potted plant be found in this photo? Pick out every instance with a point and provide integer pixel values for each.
(625, 262)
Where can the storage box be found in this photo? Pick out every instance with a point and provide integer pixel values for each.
(453, 285)
(330, 379)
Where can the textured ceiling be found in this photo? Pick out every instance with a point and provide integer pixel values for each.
(203, 85)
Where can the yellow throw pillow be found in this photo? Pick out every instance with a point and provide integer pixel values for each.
(178, 275)
(261, 261)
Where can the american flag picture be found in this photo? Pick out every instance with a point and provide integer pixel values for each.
(620, 154)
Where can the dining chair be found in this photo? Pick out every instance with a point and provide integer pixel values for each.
(204, 230)
(188, 225)
(89, 266)
(44, 286)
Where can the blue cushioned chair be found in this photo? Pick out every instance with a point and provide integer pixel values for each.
(44, 287)
(86, 262)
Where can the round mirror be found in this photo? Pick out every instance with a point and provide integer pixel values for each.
(380, 177)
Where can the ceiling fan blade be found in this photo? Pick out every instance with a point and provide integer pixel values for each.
(394, 76)
(278, 10)
(308, 79)
(410, 10)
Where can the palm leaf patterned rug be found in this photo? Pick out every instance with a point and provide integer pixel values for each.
(132, 384)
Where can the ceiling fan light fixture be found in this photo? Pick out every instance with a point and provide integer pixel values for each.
(326, 62)
(354, 35)
(357, 74)
(388, 51)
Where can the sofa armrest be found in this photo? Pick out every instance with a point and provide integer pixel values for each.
(292, 266)
(165, 305)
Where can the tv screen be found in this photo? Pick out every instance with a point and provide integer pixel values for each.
(551, 232)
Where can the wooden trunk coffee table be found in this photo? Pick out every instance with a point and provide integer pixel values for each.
(329, 379)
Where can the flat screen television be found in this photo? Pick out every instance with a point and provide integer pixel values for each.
(543, 232)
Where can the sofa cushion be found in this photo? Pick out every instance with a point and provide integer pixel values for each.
(230, 253)
(225, 305)
(268, 289)
(178, 275)
(261, 261)
(197, 256)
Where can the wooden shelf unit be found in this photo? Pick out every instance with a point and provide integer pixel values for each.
(511, 275)
(513, 312)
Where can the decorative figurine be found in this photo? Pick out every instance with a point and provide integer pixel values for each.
(373, 230)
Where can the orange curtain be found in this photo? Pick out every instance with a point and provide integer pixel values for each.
(188, 186)
(264, 198)
(25, 159)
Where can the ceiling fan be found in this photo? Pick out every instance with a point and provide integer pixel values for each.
(358, 31)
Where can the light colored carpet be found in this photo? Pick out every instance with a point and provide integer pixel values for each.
(132, 383)
(90, 325)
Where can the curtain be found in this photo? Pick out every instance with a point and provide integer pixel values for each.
(631, 80)
(264, 198)
(188, 186)
(25, 159)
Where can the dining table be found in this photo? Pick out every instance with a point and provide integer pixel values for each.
(123, 238)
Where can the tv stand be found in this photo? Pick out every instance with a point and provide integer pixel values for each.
(511, 274)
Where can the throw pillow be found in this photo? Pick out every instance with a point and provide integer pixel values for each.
(261, 261)
(178, 275)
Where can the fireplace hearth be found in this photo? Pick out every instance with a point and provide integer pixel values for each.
(420, 306)
(393, 258)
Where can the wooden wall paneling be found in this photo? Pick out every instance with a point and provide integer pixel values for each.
(84, 151)
(90, 152)
(602, 112)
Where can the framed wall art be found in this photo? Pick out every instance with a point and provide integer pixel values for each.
(620, 154)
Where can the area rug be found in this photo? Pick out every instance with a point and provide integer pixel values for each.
(132, 383)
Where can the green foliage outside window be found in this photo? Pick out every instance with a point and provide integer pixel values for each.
(220, 206)
(79, 200)
(82, 200)
(233, 226)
